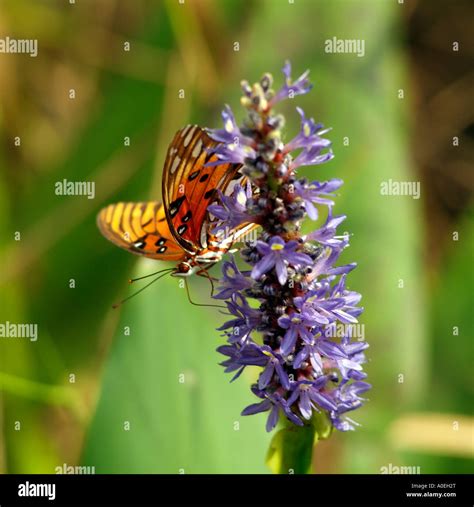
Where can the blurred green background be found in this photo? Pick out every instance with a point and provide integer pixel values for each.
(139, 389)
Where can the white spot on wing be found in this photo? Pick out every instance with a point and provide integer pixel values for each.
(185, 130)
(175, 164)
(197, 149)
(189, 136)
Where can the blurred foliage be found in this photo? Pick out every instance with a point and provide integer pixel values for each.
(196, 425)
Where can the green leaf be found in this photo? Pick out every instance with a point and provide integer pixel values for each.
(166, 405)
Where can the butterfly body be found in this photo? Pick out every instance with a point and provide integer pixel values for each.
(180, 228)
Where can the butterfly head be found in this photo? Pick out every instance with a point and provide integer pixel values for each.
(184, 269)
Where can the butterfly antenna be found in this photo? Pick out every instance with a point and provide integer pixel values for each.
(141, 290)
(132, 280)
(199, 304)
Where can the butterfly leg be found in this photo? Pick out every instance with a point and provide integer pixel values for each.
(204, 272)
(197, 304)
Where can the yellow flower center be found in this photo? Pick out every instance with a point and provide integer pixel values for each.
(277, 247)
(228, 126)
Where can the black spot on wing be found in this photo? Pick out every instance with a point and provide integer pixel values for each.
(175, 205)
(187, 217)
(203, 178)
(162, 250)
(182, 229)
(160, 242)
(194, 175)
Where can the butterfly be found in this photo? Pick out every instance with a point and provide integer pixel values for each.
(179, 228)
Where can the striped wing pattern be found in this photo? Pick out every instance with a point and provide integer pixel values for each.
(141, 228)
(189, 187)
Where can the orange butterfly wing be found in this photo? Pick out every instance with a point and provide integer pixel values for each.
(140, 228)
(189, 187)
(180, 227)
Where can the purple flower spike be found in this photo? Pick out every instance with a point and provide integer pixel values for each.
(231, 154)
(308, 136)
(294, 294)
(231, 132)
(310, 395)
(240, 357)
(315, 193)
(297, 325)
(275, 405)
(233, 281)
(347, 398)
(290, 89)
(273, 365)
(326, 235)
(278, 254)
(309, 351)
(311, 156)
(246, 319)
(232, 210)
(234, 147)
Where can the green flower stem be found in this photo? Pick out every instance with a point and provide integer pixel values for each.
(291, 448)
